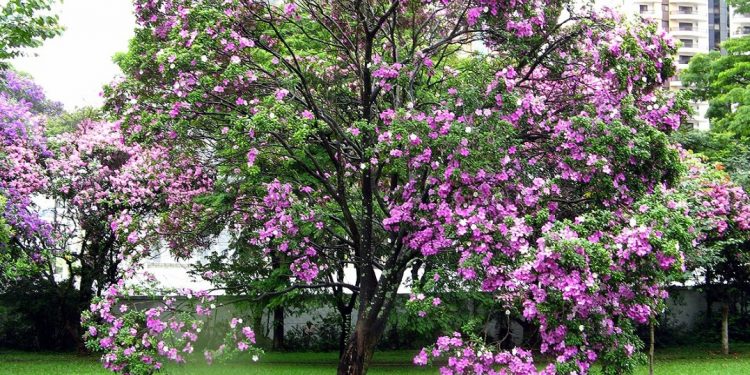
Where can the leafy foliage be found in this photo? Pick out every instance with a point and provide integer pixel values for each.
(25, 24)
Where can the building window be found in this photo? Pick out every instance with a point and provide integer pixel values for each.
(745, 30)
(683, 59)
(686, 26)
(644, 8)
(687, 43)
(685, 10)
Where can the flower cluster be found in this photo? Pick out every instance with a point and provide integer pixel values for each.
(135, 339)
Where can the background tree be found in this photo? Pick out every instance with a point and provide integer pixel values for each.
(540, 166)
(22, 152)
(721, 79)
(719, 261)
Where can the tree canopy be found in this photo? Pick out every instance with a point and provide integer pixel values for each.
(370, 136)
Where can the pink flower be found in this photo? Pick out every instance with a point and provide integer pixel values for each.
(133, 237)
(473, 15)
(290, 9)
(249, 334)
(281, 94)
(307, 115)
(421, 358)
(251, 155)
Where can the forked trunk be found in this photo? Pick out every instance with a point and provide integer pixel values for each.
(725, 328)
(371, 322)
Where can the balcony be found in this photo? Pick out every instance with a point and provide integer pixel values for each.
(688, 2)
(692, 50)
(676, 15)
(740, 31)
(693, 32)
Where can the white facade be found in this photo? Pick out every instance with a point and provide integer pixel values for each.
(739, 24)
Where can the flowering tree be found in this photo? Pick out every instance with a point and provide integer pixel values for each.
(95, 184)
(719, 261)
(375, 135)
(22, 150)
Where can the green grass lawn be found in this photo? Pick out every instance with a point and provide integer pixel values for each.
(673, 361)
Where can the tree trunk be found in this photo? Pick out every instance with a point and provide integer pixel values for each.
(376, 302)
(359, 351)
(278, 328)
(345, 327)
(651, 349)
(725, 328)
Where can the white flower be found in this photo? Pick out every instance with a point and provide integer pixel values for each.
(213, 306)
(204, 58)
(255, 358)
(581, 328)
(632, 222)
(507, 312)
(468, 129)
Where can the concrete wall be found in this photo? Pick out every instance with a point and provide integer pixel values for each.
(685, 307)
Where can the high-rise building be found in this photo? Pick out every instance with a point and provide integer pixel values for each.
(718, 23)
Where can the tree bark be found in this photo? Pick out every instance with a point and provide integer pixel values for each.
(358, 354)
(345, 327)
(375, 306)
(725, 328)
(651, 348)
(278, 328)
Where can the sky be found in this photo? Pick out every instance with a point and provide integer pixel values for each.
(73, 67)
